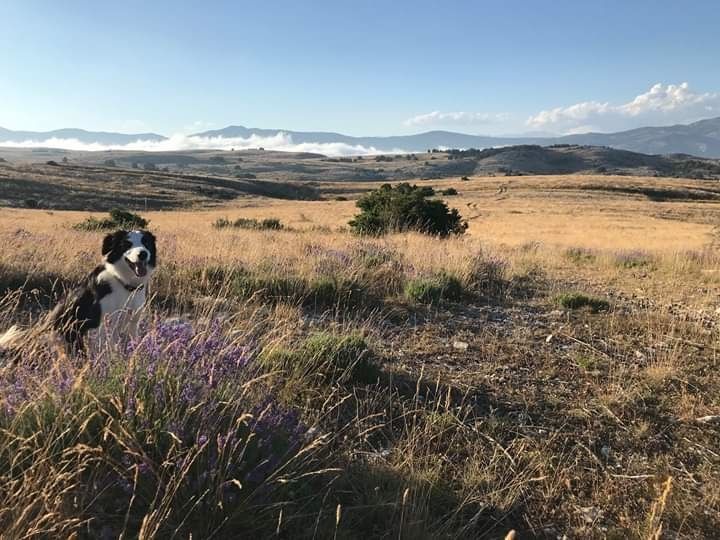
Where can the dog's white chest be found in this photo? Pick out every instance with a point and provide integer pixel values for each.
(120, 299)
(121, 312)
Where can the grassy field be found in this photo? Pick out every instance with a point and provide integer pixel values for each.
(553, 372)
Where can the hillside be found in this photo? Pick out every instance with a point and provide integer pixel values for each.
(82, 187)
(699, 138)
(567, 158)
(289, 167)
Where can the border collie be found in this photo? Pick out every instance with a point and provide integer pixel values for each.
(110, 299)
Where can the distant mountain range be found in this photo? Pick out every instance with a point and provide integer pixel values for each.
(700, 138)
(89, 137)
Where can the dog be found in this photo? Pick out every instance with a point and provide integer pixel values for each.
(110, 299)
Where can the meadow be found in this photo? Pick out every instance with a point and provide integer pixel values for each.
(551, 372)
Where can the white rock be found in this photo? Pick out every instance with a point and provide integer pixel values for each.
(460, 345)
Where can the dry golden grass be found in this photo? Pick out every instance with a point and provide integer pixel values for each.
(558, 211)
(496, 412)
(530, 221)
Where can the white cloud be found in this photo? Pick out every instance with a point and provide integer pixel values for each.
(460, 118)
(179, 142)
(661, 104)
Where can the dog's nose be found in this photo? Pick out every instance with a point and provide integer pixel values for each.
(143, 255)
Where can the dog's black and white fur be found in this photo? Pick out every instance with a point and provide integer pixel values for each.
(110, 299)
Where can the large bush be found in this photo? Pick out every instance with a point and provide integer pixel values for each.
(405, 207)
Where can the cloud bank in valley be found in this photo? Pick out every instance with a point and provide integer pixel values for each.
(281, 141)
(660, 105)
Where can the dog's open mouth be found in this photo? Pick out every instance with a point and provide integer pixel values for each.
(139, 267)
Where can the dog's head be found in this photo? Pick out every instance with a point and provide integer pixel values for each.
(132, 255)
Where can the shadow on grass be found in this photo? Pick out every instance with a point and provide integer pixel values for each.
(36, 288)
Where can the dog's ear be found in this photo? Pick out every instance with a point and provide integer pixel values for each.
(150, 236)
(111, 240)
(148, 240)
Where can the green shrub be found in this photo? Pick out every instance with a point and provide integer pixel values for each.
(249, 223)
(118, 219)
(634, 259)
(487, 275)
(405, 207)
(580, 255)
(449, 191)
(322, 292)
(433, 289)
(346, 358)
(371, 255)
(327, 291)
(269, 287)
(222, 223)
(271, 223)
(577, 300)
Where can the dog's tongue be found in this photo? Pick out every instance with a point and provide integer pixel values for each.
(140, 269)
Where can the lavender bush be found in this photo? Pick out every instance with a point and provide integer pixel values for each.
(183, 436)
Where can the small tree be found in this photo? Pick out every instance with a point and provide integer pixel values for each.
(405, 207)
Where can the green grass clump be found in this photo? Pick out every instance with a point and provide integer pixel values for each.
(239, 283)
(577, 300)
(118, 219)
(249, 223)
(273, 288)
(342, 357)
(580, 255)
(372, 256)
(433, 289)
(326, 292)
(634, 259)
(449, 191)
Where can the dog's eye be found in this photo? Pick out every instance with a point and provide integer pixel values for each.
(127, 245)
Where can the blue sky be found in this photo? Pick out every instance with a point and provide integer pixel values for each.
(361, 68)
